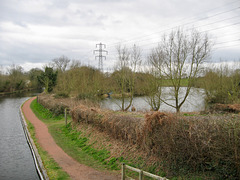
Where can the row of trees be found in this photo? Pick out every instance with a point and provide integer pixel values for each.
(177, 60)
(17, 80)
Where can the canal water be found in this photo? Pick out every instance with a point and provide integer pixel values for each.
(194, 102)
(16, 161)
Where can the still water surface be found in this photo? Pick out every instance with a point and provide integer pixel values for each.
(16, 160)
(194, 102)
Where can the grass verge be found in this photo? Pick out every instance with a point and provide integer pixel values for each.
(52, 168)
(73, 142)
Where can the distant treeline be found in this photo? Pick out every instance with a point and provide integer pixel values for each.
(16, 79)
(221, 83)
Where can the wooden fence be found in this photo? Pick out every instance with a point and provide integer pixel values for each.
(141, 173)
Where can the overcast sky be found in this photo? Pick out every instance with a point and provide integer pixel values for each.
(33, 32)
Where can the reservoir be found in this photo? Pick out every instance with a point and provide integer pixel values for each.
(16, 161)
(194, 102)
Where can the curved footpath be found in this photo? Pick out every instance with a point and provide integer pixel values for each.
(68, 164)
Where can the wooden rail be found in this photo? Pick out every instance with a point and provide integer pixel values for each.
(141, 173)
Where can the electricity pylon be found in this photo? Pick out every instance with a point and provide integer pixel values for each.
(100, 55)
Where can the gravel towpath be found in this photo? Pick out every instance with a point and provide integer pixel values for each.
(68, 164)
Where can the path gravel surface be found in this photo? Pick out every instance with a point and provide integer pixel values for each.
(68, 164)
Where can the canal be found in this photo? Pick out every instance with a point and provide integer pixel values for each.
(16, 161)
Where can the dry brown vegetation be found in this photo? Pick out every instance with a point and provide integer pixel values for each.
(232, 108)
(195, 143)
(120, 126)
(57, 105)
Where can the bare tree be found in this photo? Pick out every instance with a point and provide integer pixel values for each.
(122, 77)
(135, 64)
(75, 64)
(182, 54)
(61, 63)
(136, 58)
(128, 63)
(154, 87)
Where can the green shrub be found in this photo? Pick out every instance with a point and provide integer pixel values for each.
(222, 84)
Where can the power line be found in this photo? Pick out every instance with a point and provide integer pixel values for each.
(220, 43)
(197, 27)
(188, 23)
(226, 35)
(232, 45)
(238, 45)
(228, 42)
(222, 36)
(238, 40)
(192, 28)
(139, 37)
(221, 27)
(213, 29)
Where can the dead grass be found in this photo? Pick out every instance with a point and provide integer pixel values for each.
(119, 126)
(225, 108)
(57, 105)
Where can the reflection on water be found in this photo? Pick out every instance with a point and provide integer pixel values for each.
(16, 160)
(21, 94)
(194, 101)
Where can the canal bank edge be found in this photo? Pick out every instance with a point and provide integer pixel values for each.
(36, 157)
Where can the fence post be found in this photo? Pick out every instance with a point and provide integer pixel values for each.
(141, 175)
(65, 115)
(123, 171)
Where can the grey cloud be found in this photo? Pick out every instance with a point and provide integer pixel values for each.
(91, 21)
